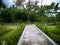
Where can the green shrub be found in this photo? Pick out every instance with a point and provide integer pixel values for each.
(52, 31)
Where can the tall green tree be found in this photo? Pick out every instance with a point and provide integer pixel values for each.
(52, 5)
(56, 7)
(36, 7)
(1, 4)
(58, 17)
(28, 8)
(32, 6)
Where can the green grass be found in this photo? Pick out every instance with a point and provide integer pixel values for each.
(53, 31)
(13, 36)
(4, 30)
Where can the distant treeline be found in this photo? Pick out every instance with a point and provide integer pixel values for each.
(19, 15)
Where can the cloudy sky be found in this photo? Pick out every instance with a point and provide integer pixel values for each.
(45, 2)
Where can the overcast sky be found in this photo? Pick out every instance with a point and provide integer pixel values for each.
(45, 2)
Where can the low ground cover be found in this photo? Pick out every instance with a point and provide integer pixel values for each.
(11, 37)
(53, 31)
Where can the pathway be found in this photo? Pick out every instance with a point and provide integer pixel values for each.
(32, 36)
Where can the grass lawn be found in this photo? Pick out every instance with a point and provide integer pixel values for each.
(11, 33)
(53, 31)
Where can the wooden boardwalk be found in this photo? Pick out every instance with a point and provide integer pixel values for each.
(32, 36)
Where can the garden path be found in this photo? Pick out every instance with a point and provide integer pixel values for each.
(32, 36)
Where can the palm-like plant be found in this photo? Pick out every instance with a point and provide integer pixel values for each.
(18, 2)
(31, 6)
(56, 7)
(1, 3)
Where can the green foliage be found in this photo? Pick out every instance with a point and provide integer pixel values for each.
(58, 17)
(13, 36)
(52, 31)
(18, 15)
(18, 2)
(1, 3)
(56, 7)
(34, 13)
(3, 30)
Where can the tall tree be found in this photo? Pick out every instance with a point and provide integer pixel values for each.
(36, 7)
(31, 6)
(1, 3)
(52, 5)
(56, 7)
(28, 8)
(58, 17)
(18, 2)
